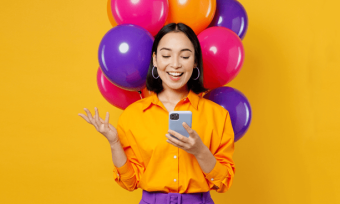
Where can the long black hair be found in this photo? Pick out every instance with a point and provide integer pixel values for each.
(196, 86)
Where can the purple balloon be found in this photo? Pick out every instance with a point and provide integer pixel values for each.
(231, 14)
(236, 104)
(124, 56)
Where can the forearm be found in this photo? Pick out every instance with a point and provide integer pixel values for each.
(118, 155)
(206, 160)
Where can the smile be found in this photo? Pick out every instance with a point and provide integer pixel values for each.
(177, 74)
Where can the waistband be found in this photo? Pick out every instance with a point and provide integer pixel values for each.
(176, 198)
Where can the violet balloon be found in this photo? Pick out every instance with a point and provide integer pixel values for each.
(231, 14)
(236, 104)
(124, 56)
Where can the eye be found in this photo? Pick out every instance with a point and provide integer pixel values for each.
(185, 57)
(166, 56)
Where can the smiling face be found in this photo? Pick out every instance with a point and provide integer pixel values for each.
(175, 60)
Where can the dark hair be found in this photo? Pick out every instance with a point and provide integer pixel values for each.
(196, 86)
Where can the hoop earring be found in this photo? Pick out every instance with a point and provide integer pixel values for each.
(152, 73)
(198, 73)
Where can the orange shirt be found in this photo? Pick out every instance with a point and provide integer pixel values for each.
(156, 165)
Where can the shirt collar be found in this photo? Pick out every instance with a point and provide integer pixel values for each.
(153, 98)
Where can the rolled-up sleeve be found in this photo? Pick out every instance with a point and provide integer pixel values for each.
(224, 170)
(128, 175)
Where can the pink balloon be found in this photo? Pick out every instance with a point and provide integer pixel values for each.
(116, 96)
(223, 56)
(149, 14)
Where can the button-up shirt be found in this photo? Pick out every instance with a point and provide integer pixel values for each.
(156, 165)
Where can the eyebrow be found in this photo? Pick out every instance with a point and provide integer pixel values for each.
(185, 49)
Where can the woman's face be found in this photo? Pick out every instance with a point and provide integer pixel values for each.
(175, 60)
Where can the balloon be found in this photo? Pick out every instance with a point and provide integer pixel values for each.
(197, 14)
(110, 15)
(124, 56)
(231, 14)
(223, 56)
(149, 14)
(236, 104)
(116, 96)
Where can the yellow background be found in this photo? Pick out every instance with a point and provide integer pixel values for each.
(49, 154)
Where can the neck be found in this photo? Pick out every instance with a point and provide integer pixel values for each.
(173, 95)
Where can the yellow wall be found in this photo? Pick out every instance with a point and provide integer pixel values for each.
(48, 55)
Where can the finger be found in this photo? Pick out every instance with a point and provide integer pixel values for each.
(89, 115)
(90, 118)
(175, 141)
(107, 120)
(188, 129)
(85, 117)
(93, 120)
(174, 144)
(179, 136)
(96, 113)
(96, 117)
(111, 126)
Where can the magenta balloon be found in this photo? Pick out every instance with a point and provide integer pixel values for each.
(223, 56)
(236, 104)
(116, 96)
(149, 14)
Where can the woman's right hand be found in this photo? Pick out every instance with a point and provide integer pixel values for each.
(102, 126)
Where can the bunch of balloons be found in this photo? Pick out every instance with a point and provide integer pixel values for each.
(125, 51)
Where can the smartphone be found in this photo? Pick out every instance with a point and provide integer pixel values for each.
(176, 118)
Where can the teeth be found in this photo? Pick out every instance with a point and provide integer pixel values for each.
(174, 73)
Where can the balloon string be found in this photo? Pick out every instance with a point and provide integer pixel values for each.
(140, 93)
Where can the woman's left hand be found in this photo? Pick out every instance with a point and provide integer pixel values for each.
(192, 144)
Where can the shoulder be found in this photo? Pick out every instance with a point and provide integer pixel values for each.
(129, 113)
(210, 106)
(135, 108)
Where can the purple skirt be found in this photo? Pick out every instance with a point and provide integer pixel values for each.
(176, 198)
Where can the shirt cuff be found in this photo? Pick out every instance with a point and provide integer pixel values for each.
(218, 173)
(125, 171)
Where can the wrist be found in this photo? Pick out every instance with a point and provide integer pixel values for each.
(203, 152)
(114, 144)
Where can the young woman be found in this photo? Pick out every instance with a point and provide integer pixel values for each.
(171, 170)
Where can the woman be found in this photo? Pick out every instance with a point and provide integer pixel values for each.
(171, 170)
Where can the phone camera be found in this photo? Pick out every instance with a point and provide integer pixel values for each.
(174, 116)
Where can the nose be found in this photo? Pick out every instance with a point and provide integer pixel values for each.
(175, 62)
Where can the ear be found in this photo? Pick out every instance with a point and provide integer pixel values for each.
(154, 59)
(195, 65)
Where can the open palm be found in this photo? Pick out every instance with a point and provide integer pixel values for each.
(104, 127)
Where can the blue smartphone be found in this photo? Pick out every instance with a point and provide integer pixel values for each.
(176, 118)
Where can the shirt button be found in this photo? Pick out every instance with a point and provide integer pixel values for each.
(212, 179)
(174, 180)
(175, 156)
